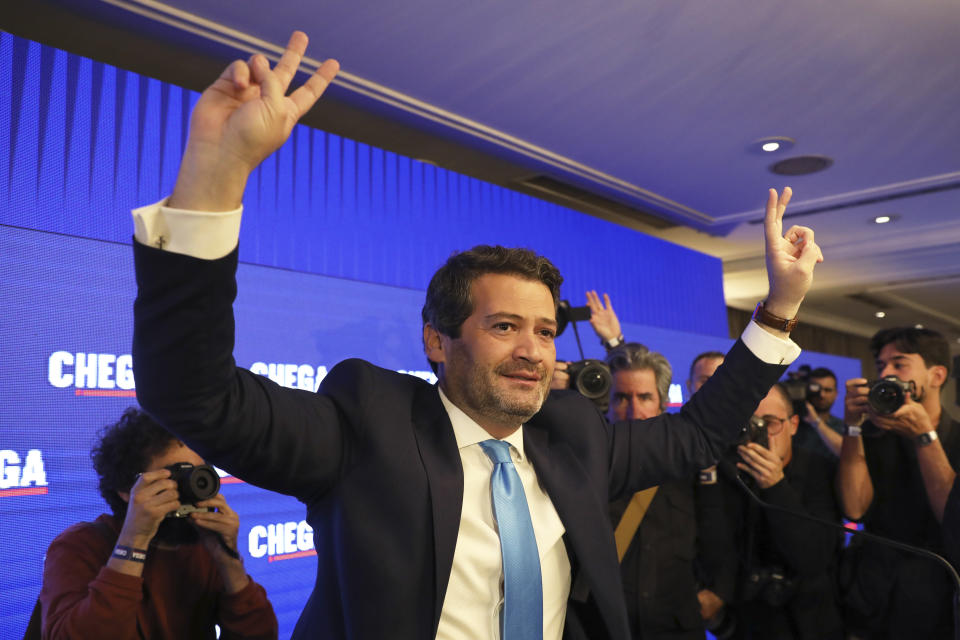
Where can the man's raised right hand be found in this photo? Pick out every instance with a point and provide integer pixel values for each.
(241, 119)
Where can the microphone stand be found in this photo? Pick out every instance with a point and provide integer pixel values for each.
(731, 472)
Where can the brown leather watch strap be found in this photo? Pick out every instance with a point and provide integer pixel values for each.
(762, 316)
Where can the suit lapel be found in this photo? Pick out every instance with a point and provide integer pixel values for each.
(589, 537)
(441, 461)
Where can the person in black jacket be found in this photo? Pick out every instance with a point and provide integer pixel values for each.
(683, 527)
(786, 585)
(890, 478)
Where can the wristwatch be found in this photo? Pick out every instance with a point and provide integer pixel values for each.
(926, 438)
(612, 343)
(853, 430)
(762, 316)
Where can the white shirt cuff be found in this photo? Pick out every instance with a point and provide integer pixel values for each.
(768, 347)
(199, 234)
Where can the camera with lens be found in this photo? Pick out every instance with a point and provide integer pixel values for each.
(195, 483)
(591, 378)
(754, 431)
(770, 585)
(888, 394)
(800, 389)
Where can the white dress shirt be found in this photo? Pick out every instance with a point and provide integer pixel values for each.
(471, 607)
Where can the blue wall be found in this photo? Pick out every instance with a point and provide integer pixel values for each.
(81, 143)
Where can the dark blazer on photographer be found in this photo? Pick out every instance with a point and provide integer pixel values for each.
(804, 603)
(373, 457)
(672, 556)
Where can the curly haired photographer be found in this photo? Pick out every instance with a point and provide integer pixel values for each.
(141, 573)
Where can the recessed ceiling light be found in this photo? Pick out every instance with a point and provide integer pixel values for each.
(881, 314)
(771, 144)
(918, 326)
(885, 219)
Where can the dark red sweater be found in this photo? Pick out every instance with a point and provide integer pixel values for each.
(180, 594)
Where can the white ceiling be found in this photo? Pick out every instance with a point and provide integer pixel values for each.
(655, 105)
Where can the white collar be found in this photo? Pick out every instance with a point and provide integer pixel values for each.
(468, 432)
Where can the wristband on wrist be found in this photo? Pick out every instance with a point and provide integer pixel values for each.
(926, 438)
(612, 343)
(129, 553)
(764, 317)
(853, 430)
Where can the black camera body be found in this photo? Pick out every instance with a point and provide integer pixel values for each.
(800, 389)
(771, 585)
(592, 379)
(754, 431)
(195, 483)
(888, 394)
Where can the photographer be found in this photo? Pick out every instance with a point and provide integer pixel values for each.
(142, 574)
(786, 586)
(660, 567)
(821, 396)
(605, 324)
(887, 478)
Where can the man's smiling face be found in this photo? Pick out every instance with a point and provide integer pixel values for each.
(498, 371)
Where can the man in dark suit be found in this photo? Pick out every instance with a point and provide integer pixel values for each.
(407, 484)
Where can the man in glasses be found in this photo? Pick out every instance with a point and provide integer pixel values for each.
(786, 590)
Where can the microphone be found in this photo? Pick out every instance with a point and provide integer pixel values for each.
(730, 470)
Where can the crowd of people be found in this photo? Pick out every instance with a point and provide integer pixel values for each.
(745, 563)
(488, 505)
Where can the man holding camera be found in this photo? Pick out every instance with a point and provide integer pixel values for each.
(826, 427)
(897, 434)
(672, 538)
(141, 573)
(663, 533)
(785, 590)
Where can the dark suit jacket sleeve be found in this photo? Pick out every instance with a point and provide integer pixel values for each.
(285, 440)
(676, 446)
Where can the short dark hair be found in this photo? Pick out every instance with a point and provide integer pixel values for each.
(927, 343)
(782, 390)
(703, 356)
(634, 356)
(125, 449)
(448, 302)
(823, 372)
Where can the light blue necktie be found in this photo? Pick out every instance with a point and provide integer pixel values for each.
(522, 615)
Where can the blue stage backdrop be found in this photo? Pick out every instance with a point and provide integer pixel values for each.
(339, 240)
